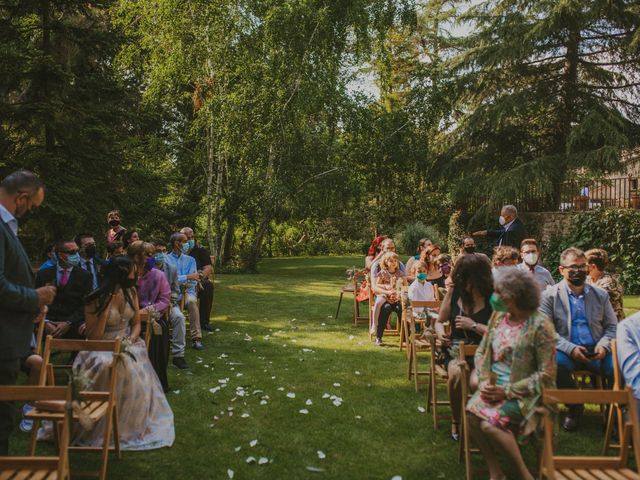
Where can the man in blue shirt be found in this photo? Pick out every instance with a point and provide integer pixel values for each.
(187, 279)
(628, 339)
(585, 324)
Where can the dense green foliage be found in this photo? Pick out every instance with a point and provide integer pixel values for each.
(307, 126)
(409, 236)
(615, 230)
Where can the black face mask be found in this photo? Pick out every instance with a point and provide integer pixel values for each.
(577, 277)
(469, 249)
(129, 283)
(114, 223)
(90, 251)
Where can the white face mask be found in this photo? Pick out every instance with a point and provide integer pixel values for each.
(530, 258)
(502, 220)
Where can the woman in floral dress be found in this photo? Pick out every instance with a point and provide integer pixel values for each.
(515, 361)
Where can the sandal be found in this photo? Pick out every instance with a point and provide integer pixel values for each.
(455, 434)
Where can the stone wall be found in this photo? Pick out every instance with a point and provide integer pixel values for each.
(543, 226)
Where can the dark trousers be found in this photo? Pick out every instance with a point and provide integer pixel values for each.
(567, 365)
(385, 312)
(8, 375)
(159, 353)
(206, 302)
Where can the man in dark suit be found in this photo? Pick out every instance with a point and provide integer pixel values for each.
(511, 231)
(91, 262)
(20, 302)
(65, 318)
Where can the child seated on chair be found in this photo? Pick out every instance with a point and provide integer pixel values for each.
(420, 291)
(383, 284)
(31, 365)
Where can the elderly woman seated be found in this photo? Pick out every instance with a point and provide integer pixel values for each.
(514, 362)
(505, 257)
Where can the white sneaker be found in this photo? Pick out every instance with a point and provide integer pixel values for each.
(25, 424)
(378, 342)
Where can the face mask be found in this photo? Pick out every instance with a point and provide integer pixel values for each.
(90, 251)
(191, 243)
(149, 264)
(114, 223)
(502, 220)
(577, 277)
(129, 283)
(469, 249)
(160, 258)
(496, 303)
(445, 268)
(421, 276)
(185, 248)
(73, 260)
(530, 258)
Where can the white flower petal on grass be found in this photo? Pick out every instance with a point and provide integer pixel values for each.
(245, 415)
(239, 374)
(421, 409)
(291, 395)
(308, 402)
(177, 392)
(315, 469)
(263, 460)
(198, 361)
(357, 372)
(231, 414)
(396, 477)
(304, 411)
(326, 395)
(223, 381)
(307, 350)
(250, 459)
(321, 455)
(281, 389)
(230, 473)
(263, 402)
(323, 324)
(358, 417)
(253, 443)
(214, 389)
(351, 337)
(337, 385)
(237, 449)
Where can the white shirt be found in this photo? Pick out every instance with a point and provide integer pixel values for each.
(8, 218)
(506, 227)
(421, 292)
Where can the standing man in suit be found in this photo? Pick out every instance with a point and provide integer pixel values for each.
(585, 324)
(511, 231)
(65, 318)
(20, 302)
(90, 262)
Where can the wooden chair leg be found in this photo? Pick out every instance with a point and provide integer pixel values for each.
(434, 399)
(116, 433)
(402, 334)
(34, 438)
(414, 354)
(339, 303)
(409, 360)
(105, 447)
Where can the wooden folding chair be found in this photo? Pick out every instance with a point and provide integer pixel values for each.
(353, 288)
(32, 467)
(404, 332)
(145, 319)
(586, 379)
(591, 467)
(95, 404)
(615, 413)
(40, 336)
(419, 343)
(437, 376)
(465, 449)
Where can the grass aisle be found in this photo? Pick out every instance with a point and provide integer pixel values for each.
(277, 337)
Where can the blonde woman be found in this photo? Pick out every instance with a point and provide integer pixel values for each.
(383, 283)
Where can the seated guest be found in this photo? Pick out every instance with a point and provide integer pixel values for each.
(598, 260)
(421, 290)
(443, 261)
(31, 364)
(511, 232)
(145, 420)
(176, 317)
(50, 256)
(387, 245)
(128, 238)
(585, 324)
(628, 340)
(530, 263)
(373, 255)
(468, 245)
(505, 257)
(154, 294)
(515, 362)
(383, 283)
(114, 249)
(90, 260)
(422, 244)
(434, 274)
(115, 233)
(65, 318)
(187, 279)
(203, 264)
(467, 309)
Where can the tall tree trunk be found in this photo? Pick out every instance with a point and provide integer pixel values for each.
(213, 247)
(45, 13)
(226, 248)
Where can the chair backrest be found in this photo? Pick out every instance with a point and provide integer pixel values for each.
(605, 397)
(34, 394)
(40, 336)
(617, 376)
(64, 345)
(145, 319)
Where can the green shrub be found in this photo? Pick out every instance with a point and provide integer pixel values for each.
(616, 230)
(407, 239)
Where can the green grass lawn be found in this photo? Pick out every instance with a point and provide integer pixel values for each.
(276, 337)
